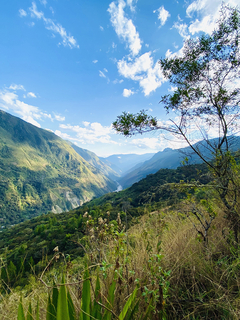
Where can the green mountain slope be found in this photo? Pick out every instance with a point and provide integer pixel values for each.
(94, 160)
(40, 172)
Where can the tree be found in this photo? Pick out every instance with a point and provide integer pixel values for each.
(206, 77)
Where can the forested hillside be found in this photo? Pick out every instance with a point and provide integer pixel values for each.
(40, 172)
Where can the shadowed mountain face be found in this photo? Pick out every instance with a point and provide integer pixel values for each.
(40, 172)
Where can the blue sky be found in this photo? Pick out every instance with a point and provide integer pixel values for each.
(73, 66)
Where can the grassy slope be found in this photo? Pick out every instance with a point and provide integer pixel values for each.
(40, 172)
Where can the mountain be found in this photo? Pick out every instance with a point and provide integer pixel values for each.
(121, 163)
(40, 172)
(95, 161)
(171, 159)
(42, 234)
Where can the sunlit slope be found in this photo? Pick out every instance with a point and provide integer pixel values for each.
(40, 172)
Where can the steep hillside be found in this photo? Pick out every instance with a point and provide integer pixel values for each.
(94, 160)
(171, 159)
(40, 172)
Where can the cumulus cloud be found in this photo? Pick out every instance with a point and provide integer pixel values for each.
(124, 27)
(163, 15)
(31, 95)
(208, 14)
(22, 13)
(56, 28)
(127, 93)
(143, 70)
(90, 133)
(10, 101)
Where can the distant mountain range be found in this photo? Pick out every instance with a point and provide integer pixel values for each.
(122, 163)
(40, 172)
(171, 159)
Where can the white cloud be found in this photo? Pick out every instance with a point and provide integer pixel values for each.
(143, 70)
(163, 15)
(101, 74)
(101, 28)
(130, 3)
(172, 89)
(59, 117)
(127, 93)
(67, 39)
(208, 14)
(182, 29)
(22, 13)
(124, 27)
(95, 61)
(146, 143)
(90, 133)
(16, 87)
(106, 70)
(44, 2)
(9, 100)
(114, 45)
(31, 95)
(117, 81)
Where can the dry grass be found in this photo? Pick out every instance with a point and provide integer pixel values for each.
(204, 280)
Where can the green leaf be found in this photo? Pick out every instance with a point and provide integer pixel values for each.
(20, 311)
(55, 300)
(30, 313)
(128, 304)
(96, 307)
(50, 310)
(37, 311)
(108, 314)
(145, 317)
(86, 297)
(72, 313)
(62, 305)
